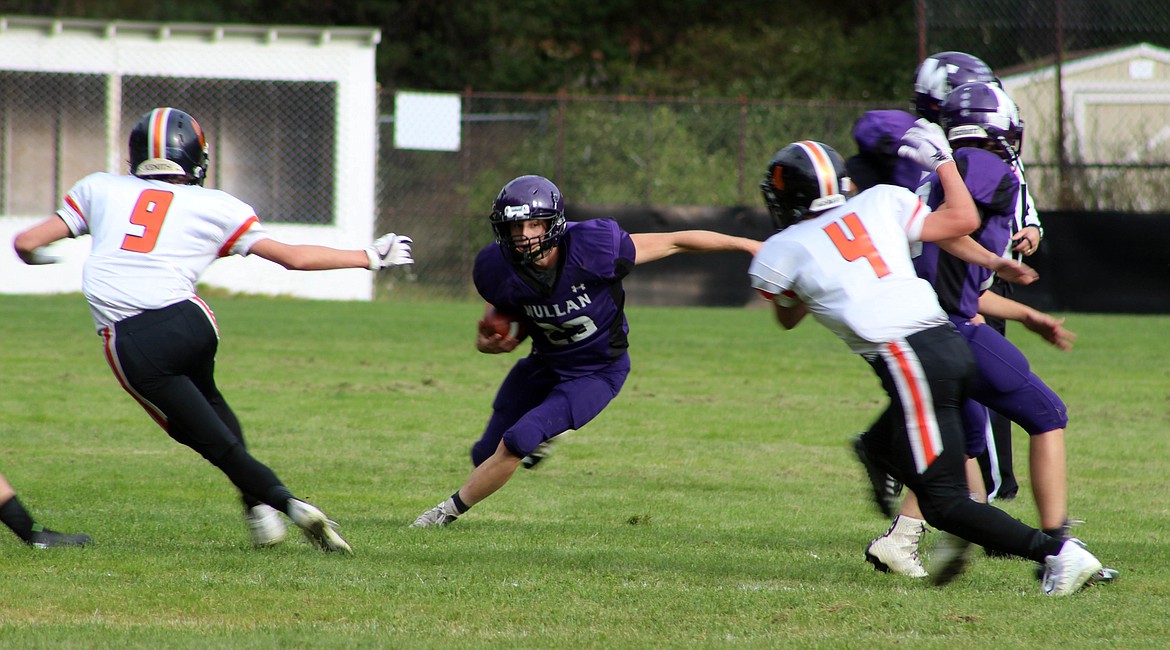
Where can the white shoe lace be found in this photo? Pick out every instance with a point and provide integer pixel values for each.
(437, 516)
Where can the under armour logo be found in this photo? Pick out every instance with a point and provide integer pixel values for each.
(577, 288)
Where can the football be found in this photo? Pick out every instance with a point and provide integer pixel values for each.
(497, 322)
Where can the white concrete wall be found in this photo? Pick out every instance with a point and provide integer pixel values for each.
(344, 56)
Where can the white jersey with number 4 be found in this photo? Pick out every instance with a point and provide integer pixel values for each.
(851, 266)
(151, 240)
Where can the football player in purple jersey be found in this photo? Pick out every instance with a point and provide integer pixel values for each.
(935, 78)
(878, 135)
(564, 282)
(983, 125)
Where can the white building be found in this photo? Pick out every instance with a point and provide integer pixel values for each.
(1115, 126)
(290, 115)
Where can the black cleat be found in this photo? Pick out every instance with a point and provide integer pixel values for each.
(542, 451)
(886, 488)
(46, 538)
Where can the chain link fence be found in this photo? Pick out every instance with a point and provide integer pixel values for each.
(274, 151)
(613, 151)
(1098, 136)
(1093, 83)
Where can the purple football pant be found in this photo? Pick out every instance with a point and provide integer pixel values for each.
(1007, 385)
(974, 417)
(535, 404)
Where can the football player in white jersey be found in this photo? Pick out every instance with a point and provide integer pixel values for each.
(847, 262)
(154, 233)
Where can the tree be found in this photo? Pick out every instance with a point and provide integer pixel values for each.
(789, 49)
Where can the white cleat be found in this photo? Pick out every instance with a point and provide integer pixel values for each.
(1069, 570)
(265, 525)
(317, 527)
(897, 550)
(440, 515)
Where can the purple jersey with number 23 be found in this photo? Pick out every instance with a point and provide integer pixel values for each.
(578, 326)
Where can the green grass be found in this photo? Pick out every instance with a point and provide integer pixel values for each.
(715, 502)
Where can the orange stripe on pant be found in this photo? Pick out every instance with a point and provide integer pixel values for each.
(917, 404)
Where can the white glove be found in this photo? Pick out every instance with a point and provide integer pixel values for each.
(926, 144)
(39, 256)
(786, 298)
(389, 250)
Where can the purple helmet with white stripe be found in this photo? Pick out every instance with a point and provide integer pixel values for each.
(940, 73)
(982, 115)
(523, 199)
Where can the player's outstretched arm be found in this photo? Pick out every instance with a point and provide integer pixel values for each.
(1049, 328)
(309, 257)
(972, 252)
(655, 246)
(389, 250)
(28, 244)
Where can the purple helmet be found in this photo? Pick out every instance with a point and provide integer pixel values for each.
(941, 72)
(982, 115)
(523, 199)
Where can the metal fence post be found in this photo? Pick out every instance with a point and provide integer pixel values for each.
(741, 153)
(562, 99)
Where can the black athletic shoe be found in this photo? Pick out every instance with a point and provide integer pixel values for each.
(46, 538)
(542, 451)
(886, 488)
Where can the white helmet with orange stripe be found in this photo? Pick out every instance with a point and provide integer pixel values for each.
(803, 178)
(168, 142)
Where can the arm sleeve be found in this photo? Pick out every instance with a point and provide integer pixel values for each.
(1031, 216)
(73, 208)
(244, 238)
(626, 254)
(772, 271)
(911, 211)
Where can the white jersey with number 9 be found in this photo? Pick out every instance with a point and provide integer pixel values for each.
(151, 240)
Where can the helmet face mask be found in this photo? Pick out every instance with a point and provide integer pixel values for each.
(942, 72)
(167, 142)
(982, 115)
(528, 198)
(804, 178)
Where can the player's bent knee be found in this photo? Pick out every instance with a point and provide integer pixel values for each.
(940, 509)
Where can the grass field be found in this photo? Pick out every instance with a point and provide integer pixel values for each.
(715, 503)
